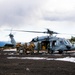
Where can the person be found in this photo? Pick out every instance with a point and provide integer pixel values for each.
(43, 46)
(25, 48)
(48, 47)
(21, 50)
(38, 47)
(31, 47)
(18, 45)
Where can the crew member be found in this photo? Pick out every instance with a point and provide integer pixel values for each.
(18, 45)
(32, 46)
(25, 48)
(48, 47)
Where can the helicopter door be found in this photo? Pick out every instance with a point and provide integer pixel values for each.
(55, 45)
(44, 44)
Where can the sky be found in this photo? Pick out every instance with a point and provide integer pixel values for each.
(36, 15)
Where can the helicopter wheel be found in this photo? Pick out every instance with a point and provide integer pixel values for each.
(51, 52)
(60, 51)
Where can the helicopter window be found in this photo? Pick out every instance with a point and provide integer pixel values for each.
(61, 42)
(67, 42)
(54, 43)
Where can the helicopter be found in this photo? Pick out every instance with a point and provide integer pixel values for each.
(50, 42)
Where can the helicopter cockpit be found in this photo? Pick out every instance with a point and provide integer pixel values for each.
(67, 42)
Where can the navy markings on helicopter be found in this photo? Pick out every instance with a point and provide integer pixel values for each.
(51, 43)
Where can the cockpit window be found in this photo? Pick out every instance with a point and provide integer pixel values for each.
(67, 42)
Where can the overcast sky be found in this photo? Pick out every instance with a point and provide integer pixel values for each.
(57, 15)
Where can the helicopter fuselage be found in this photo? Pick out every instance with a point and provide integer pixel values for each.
(53, 44)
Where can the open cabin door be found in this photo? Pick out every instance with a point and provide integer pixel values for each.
(44, 45)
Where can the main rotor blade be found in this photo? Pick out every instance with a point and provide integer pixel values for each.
(47, 32)
(29, 31)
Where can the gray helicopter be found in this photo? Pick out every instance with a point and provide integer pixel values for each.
(50, 42)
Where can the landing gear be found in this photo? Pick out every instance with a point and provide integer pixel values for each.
(50, 51)
(60, 51)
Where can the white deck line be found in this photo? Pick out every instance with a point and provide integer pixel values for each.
(68, 59)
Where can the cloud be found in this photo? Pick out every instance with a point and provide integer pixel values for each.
(18, 12)
(37, 15)
(30, 12)
(57, 10)
(59, 16)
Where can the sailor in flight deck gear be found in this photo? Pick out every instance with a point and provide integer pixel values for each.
(31, 47)
(25, 48)
(18, 45)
